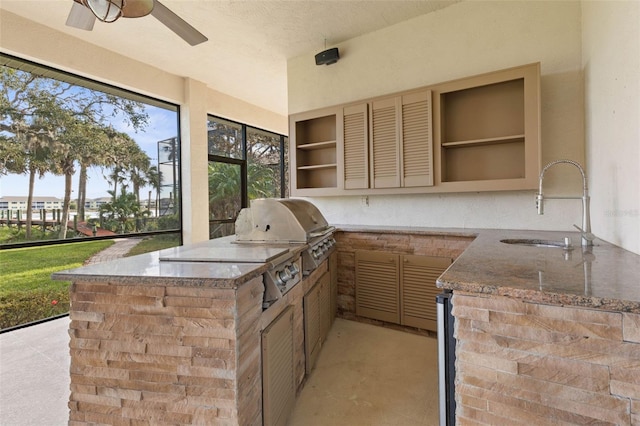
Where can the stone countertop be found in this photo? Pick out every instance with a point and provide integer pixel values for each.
(148, 269)
(602, 277)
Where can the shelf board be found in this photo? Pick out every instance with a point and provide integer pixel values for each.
(486, 141)
(318, 166)
(317, 145)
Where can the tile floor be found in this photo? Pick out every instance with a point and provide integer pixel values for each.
(365, 376)
(371, 376)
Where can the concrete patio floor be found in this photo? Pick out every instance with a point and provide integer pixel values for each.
(34, 375)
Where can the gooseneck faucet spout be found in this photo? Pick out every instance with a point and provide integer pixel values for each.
(585, 230)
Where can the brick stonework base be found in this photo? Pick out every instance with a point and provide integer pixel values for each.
(525, 363)
(146, 354)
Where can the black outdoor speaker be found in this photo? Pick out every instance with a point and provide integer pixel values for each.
(328, 57)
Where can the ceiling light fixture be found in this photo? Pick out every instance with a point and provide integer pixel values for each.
(105, 10)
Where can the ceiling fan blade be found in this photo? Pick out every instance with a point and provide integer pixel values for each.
(177, 24)
(81, 17)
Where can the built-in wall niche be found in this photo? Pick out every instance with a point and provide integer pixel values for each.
(315, 151)
(483, 133)
(487, 132)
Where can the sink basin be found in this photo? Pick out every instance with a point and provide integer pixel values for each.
(537, 243)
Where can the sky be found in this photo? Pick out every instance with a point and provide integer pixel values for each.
(163, 124)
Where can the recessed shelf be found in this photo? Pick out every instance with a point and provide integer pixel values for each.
(484, 141)
(317, 145)
(317, 167)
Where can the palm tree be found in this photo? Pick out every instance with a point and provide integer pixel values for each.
(154, 177)
(224, 190)
(138, 167)
(90, 154)
(123, 210)
(34, 162)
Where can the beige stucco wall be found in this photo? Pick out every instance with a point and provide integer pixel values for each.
(611, 60)
(462, 40)
(25, 39)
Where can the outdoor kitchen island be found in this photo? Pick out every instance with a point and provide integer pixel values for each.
(545, 335)
(171, 342)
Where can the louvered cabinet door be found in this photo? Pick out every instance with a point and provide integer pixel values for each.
(418, 288)
(356, 146)
(377, 287)
(417, 140)
(384, 149)
(278, 389)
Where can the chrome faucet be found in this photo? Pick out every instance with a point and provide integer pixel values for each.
(585, 230)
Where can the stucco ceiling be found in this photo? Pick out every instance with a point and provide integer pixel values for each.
(249, 40)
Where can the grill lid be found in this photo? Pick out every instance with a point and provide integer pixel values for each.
(284, 220)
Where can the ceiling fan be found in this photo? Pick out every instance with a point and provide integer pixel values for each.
(84, 13)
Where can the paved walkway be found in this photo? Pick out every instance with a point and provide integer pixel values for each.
(116, 251)
(34, 365)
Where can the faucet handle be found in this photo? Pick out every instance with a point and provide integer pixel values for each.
(540, 202)
(586, 235)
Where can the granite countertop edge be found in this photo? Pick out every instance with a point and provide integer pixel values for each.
(77, 275)
(487, 266)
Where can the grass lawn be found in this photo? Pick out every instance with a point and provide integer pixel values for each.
(27, 292)
(154, 243)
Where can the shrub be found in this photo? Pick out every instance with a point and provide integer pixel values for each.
(24, 307)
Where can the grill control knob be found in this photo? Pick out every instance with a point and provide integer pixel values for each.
(294, 270)
(283, 276)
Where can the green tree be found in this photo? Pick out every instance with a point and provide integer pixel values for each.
(40, 113)
(154, 180)
(123, 156)
(124, 210)
(90, 154)
(224, 190)
(26, 116)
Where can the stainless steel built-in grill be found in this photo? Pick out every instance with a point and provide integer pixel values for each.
(277, 222)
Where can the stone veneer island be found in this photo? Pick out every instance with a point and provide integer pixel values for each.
(155, 342)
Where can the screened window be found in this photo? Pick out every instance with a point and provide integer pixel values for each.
(244, 163)
(83, 159)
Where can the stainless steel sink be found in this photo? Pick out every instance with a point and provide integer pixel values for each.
(566, 244)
